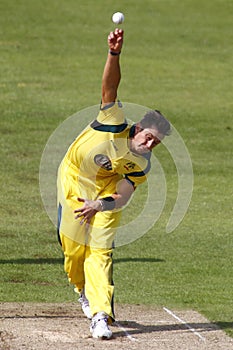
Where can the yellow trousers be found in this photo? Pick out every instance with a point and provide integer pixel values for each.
(90, 268)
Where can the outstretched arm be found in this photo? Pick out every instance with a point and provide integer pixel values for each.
(112, 73)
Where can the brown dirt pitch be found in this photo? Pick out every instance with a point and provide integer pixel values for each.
(32, 326)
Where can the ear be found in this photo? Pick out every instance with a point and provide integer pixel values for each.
(138, 128)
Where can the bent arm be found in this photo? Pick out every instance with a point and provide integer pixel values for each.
(112, 73)
(124, 191)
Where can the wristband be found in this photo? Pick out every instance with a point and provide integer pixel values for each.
(113, 53)
(107, 203)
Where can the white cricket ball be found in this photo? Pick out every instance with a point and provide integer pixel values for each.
(118, 18)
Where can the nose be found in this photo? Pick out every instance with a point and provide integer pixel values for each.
(150, 144)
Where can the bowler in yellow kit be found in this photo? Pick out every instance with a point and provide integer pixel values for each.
(98, 175)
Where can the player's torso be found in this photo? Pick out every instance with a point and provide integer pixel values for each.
(103, 154)
(100, 156)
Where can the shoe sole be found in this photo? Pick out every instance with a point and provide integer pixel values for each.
(103, 337)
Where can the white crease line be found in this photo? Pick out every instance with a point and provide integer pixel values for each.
(185, 323)
(125, 331)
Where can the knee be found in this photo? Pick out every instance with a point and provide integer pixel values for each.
(71, 249)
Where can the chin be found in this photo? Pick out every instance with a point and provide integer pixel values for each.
(143, 151)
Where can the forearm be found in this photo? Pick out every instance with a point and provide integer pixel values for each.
(111, 78)
(118, 199)
(112, 72)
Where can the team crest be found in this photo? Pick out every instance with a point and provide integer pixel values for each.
(103, 161)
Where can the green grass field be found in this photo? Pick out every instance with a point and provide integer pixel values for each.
(177, 57)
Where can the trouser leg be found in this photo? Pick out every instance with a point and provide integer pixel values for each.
(74, 255)
(99, 287)
(90, 268)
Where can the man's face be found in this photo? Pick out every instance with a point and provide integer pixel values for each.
(145, 140)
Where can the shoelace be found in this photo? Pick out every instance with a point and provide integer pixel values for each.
(104, 318)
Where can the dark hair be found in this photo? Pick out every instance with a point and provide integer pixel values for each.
(156, 119)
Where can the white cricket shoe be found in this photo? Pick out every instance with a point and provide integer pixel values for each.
(85, 305)
(99, 326)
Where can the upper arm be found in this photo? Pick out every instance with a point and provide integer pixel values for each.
(109, 94)
(110, 79)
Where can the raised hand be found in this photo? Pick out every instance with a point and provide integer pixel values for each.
(115, 40)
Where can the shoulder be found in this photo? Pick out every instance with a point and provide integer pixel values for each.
(111, 114)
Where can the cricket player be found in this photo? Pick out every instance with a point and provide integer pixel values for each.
(98, 175)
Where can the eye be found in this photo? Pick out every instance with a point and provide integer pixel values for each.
(156, 141)
(149, 137)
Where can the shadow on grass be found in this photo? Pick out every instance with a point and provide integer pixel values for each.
(224, 325)
(34, 261)
(120, 260)
(38, 261)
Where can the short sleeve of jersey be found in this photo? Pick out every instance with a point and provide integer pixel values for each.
(111, 114)
(136, 180)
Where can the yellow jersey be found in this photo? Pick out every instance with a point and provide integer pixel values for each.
(93, 165)
(100, 157)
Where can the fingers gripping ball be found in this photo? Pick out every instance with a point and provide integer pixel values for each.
(118, 18)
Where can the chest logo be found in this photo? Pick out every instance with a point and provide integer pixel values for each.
(129, 166)
(103, 161)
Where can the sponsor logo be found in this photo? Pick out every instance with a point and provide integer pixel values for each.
(129, 165)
